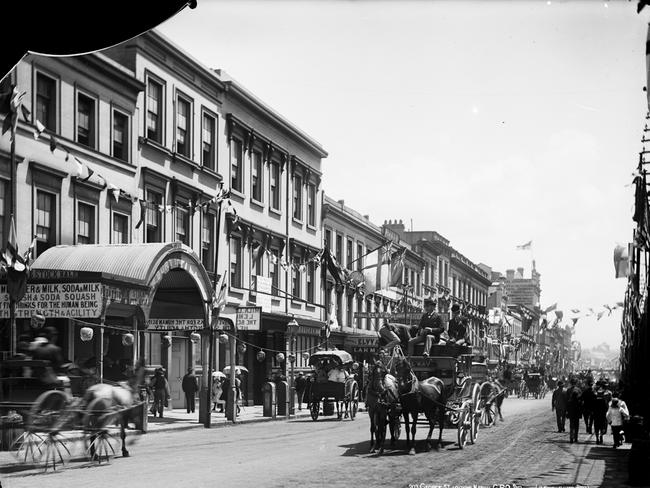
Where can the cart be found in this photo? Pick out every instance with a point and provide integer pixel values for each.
(453, 365)
(51, 406)
(344, 391)
(533, 385)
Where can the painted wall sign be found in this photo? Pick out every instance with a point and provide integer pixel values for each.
(249, 318)
(174, 324)
(76, 300)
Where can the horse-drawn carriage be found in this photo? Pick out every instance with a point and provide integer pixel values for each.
(491, 394)
(333, 382)
(533, 382)
(52, 404)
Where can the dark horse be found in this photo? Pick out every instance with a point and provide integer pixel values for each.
(382, 402)
(108, 402)
(426, 396)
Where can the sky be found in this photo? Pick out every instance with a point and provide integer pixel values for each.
(492, 123)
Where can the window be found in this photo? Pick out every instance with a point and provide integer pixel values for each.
(328, 238)
(339, 249)
(236, 161)
(45, 221)
(311, 205)
(359, 256)
(256, 176)
(85, 120)
(208, 141)
(350, 253)
(311, 281)
(183, 127)
(46, 101)
(235, 262)
(120, 229)
(120, 136)
(183, 224)
(85, 223)
(295, 282)
(297, 197)
(274, 262)
(154, 219)
(154, 111)
(207, 248)
(275, 186)
(3, 211)
(350, 311)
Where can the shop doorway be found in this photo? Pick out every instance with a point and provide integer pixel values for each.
(178, 370)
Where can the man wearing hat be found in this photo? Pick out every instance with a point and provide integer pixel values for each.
(457, 329)
(429, 328)
(559, 404)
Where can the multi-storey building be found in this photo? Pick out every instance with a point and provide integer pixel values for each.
(350, 237)
(136, 146)
(272, 232)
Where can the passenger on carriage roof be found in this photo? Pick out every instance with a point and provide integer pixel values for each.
(457, 329)
(429, 328)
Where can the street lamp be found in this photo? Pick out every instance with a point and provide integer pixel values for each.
(292, 330)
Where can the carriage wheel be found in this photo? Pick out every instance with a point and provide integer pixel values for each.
(314, 408)
(476, 422)
(463, 420)
(48, 411)
(488, 413)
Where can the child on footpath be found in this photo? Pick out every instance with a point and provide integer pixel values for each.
(615, 417)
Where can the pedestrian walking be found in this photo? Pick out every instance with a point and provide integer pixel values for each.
(574, 409)
(301, 383)
(615, 417)
(559, 405)
(217, 391)
(601, 403)
(588, 397)
(161, 393)
(190, 386)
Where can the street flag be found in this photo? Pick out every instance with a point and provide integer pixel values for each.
(220, 290)
(397, 267)
(551, 308)
(332, 321)
(524, 247)
(559, 314)
(622, 261)
(15, 266)
(376, 270)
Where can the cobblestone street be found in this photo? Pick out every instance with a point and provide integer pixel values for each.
(523, 449)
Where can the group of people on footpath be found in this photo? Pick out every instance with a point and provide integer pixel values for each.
(597, 404)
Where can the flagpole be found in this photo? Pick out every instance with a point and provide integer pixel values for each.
(14, 189)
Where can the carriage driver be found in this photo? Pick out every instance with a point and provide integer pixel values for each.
(429, 329)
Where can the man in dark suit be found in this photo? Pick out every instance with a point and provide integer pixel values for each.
(190, 386)
(457, 329)
(429, 328)
(559, 405)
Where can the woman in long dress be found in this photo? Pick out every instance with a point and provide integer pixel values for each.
(217, 390)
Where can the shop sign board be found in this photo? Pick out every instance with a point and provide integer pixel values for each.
(56, 300)
(263, 286)
(174, 324)
(249, 318)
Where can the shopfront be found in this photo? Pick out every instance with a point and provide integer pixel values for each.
(139, 300)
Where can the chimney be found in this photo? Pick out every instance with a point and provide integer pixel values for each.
(510, 274)
(520, 273)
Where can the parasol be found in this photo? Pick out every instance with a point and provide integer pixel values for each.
(218, 374)
(238, 369)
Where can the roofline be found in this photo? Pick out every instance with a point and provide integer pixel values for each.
(234, 87)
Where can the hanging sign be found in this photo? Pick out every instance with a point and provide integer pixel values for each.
(78, 300)
(249, 318)
(174, 324)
